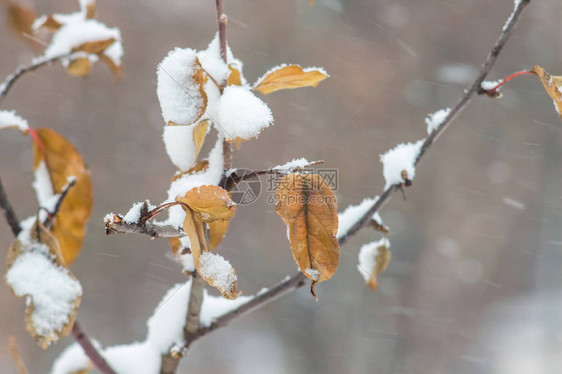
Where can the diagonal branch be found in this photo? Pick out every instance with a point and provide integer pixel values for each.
(20, 71)
(9, 211)
(298, 279)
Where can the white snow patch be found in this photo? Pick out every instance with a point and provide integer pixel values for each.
(295, 164)
(50, 287)
(216, 306)
(352, 214)
(42, 184)
(242, 114)
(312, 273)
(400, 158)
(72, 359)
(134, 358)
(434, 120)
(165, 326)
(367, 257)
(180, 146)
(9, 118)
(180, 97)
(75, 33)
(134, 214)
(488, 85)
(216, 268)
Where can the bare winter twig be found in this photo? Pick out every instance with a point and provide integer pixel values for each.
(91, 351)
(9, 211)
(20, 71)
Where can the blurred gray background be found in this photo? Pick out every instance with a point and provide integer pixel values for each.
(475, 282)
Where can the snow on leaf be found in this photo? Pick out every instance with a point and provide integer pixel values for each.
(308, 207)
(212, 62)
(80, 32)
(209, 205)
(9, 118)
(183, 143)
(399, 163)
(552, 85)
(242, 115)
(288, 77)
(52, 293)
(219, 273)
(20, 17)
(180, 87)
(55, 161)
(373, 260)
(434, 120)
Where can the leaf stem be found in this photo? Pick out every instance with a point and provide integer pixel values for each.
(494, 90)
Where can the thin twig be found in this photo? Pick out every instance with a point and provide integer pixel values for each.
(453, 113)
(222, 20)
(53, 214)
(287, 285)
(20, 71)
(9, 211)
(91, 351)
(146, 228)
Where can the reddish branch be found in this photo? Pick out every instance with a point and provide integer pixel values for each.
(493, 92)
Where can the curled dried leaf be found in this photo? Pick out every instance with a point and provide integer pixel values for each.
(308, 206)
(20, 17)
(79, 67)
(52, 293)
(552, 85)
(94, 47)
(214, 269)
(214, 203)
(200, 166)
(234, 77)
(373, 260)
(63, 161)
(289, 77)
(217, 231)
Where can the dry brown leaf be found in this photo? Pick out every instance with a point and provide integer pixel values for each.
(217, 231)
(64, 161)
(20, 17)
(200, 166)
(289, 77)
(212, 268)
(552, 85)
(199, 133)
(214, 203)
(91, 10)
(381, 263)
(308, 206)
(40, 235)
(95, 47)
(50, 23)
(79, 67)
(115, 69)
(234, 77)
